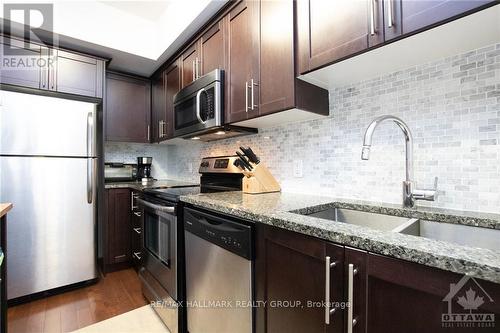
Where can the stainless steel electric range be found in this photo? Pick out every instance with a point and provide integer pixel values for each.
(163, 269)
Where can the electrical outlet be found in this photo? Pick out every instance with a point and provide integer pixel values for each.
(297, 169)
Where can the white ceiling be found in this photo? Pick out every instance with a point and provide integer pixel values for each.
(147, 10)
(138, 36)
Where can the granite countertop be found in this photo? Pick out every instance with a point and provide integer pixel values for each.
(139, 186)
(279, 209)
(5, 208)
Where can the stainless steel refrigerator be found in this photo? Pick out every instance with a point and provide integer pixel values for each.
(48, 171)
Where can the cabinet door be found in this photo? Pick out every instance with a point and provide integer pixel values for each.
(173, 82)
(291, 276)
(23, 64)
(412, 298)
(118, 226)
(158, 107)
(190, 64)
(422, 14)
(128, 111)
(331, 30)
(355, 288)
(243, 61)
(277, 66)
(76, 74)
(337, 288)
(212, 49)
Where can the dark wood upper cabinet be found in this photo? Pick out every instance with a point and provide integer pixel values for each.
(118, 225)
(213, 48)
(76, 74)
(277, 59)
(242, 76)
(190, 63)
(332, 30)
(158, 107)
(128, 108)
(56, 70)
(173, 85)
(417, 15)
(33, 77)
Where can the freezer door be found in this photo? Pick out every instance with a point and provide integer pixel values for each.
(51, 229)
(45, 126)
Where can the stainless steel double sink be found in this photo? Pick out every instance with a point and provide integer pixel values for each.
(449, 232)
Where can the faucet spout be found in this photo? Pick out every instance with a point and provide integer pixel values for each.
(367, 141)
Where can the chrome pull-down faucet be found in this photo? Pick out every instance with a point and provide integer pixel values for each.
(410, 192)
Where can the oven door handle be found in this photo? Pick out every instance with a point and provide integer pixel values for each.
(198, 105)
(166, 209)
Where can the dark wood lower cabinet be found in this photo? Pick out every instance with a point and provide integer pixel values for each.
(386, 295)
(408, 297)
(291, 278)
(117, 229)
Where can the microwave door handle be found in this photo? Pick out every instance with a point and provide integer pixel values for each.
(198, 105)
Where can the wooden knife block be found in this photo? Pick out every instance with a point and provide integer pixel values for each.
(260, 180)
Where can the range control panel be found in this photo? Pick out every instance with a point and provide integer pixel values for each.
(220, 164)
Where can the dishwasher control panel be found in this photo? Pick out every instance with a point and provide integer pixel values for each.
(225, 232)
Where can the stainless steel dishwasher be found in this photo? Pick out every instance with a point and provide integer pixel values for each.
(219, 273)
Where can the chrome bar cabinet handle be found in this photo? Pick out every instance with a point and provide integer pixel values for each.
(372, 17)
(350, 297)
(137, 255)
(52, 79)
(252, 84)
(390, 15)
(138, 214)
(138, 230)
(197, 68)
(246, 96)
(328, 312)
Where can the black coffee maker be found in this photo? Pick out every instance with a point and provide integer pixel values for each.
(144, 168)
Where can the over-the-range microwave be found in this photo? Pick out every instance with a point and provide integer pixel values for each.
(199, 110)
(199, 105)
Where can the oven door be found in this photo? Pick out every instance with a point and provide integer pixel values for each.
(160, 242)
(199, 110)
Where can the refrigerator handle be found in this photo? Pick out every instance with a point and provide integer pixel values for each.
(90, 168)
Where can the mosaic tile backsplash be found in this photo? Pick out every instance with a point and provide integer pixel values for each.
(452, 107)
(128, 153)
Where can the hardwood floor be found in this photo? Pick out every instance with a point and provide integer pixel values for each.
(117, 293)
